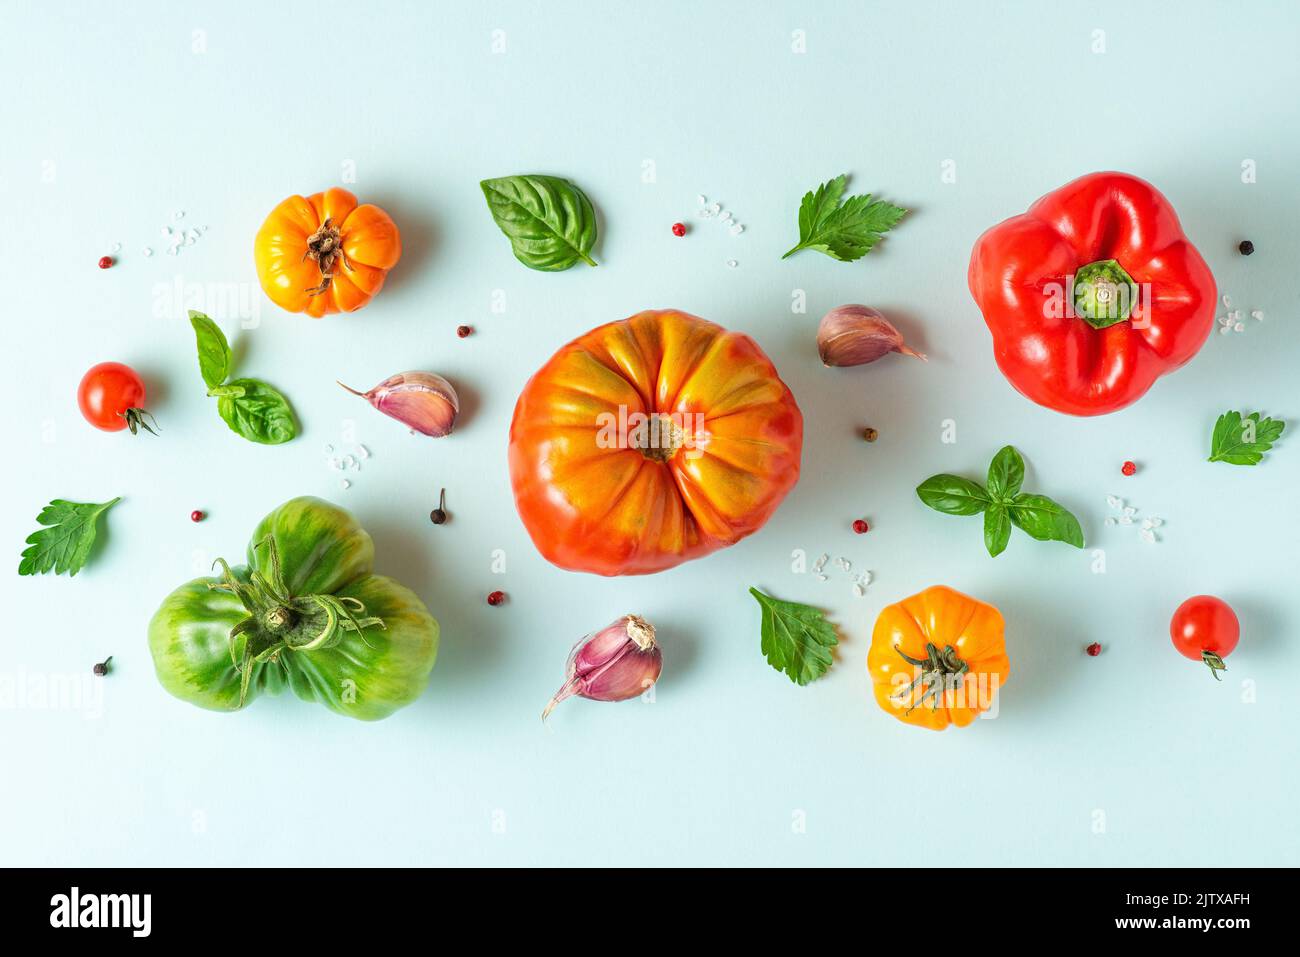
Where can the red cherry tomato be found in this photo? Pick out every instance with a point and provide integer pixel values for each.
(111, 397)
(1205, 628)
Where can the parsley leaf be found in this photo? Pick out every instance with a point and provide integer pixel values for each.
(844, 231)
(64, 545)
(1243, 441)
(796, 638)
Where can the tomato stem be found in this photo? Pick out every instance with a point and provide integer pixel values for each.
(1214, 663)
(325, 249)
(135, 420)
(940, 671)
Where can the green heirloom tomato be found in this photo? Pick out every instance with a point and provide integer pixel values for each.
(306, 612)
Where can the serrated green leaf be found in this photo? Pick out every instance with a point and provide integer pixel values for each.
(259, 413)
(214, 349)
(65, 543)
(997, 529)
(845, 232)
(1006, 474)
(1046, 520)
(1243, 441)
(549, 221)
(953, 495)
(796, 639)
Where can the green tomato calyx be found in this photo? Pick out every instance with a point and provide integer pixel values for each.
(278, 621)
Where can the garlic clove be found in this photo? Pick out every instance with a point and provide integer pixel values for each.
(854, 335)
(618, 662)
(422, 401)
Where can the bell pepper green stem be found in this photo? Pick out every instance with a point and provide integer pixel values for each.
(1104, 293)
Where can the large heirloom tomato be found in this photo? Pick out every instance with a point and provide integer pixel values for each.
(306, 612)
(651, 441)
(324, 253)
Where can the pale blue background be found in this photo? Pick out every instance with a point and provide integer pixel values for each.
(111, 121)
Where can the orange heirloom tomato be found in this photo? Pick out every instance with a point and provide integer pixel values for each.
(649, 442)
(325, 254)
(937, 658)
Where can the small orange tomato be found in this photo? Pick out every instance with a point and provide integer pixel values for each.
(651, 441)
(937, 658)
(325, 254)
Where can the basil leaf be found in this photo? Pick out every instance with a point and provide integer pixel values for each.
(259, 413)
(953, 495)
(1045, 520)
(549, 221)
(997, 529)
(1006, 474)
(796, 639)
(214, 350)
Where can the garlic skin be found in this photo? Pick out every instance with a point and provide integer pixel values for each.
(618, 662)
(422, 401)
(854, 335)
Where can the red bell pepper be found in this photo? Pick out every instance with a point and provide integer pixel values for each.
(1092, 294)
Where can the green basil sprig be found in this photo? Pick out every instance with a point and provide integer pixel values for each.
(1003, 504)
(250, 407)
(549, 221)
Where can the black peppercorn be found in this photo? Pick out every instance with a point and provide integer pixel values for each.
(439, 515)
(101, 669)
(1246, 247)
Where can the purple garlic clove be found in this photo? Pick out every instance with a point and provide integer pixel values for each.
(855, 335)
(618, 662)
(422, 401)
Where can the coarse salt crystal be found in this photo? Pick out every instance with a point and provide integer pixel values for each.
(166, 230)
(1225, 330)
(1126, 520)
(715, 208)
(1130, 510)
(1257, 314)
(821, 578)
(179, 214)
(146, 252)
(702, 199)
(1147, 536)
(363, 452)
(1227, 301)
(116, 247)
(345, 484)
(1114, 501)
(859, 590)
(732, 263)
(737, 229)
(1110, 521)
(328, 449)
(1239, 327)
